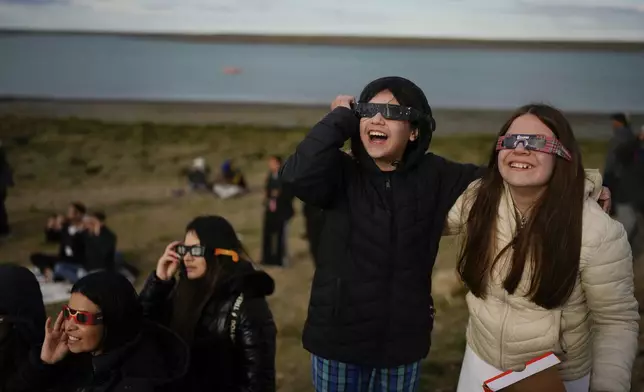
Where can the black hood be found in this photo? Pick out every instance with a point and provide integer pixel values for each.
(21, 303)
(119, 304)
(407, 94)
(245, 277)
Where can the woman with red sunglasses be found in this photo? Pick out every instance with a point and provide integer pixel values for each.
(100, 342)
(218, 305)
(544, 264)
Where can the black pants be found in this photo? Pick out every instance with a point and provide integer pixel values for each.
(43, 261)
(4, 219)
(274, 241)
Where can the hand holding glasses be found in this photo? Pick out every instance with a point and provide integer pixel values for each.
(172, 259)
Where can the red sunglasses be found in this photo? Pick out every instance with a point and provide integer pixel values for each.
(80, 317)
(549, 145)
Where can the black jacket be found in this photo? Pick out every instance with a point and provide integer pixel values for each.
(155, 359)
(370, 301)
(630, 188)
(218, 364)
(21, 305)
(100, 250)
(71, 246)
(276, 189)
(621, 153)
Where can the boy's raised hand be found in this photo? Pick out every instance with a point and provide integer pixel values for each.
(343, 100)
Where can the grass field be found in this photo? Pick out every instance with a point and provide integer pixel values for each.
(130, 170)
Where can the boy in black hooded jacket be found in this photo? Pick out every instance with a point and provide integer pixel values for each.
(371, 312)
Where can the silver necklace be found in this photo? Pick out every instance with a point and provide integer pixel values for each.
(523, 220)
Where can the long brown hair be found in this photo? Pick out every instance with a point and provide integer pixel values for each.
(191, 296)
(551, 238)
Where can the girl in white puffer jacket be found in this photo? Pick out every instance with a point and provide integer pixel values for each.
(547, 269)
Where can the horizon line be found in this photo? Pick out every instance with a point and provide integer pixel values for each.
(8, 99)
(351, 40)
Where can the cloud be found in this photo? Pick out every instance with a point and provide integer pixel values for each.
(492, 19)
(30, 2)
(594, 5)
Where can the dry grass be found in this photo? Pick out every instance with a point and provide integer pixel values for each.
(130, 170)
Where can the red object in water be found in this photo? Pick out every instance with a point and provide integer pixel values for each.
(232, 70)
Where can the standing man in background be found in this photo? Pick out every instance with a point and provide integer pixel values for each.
(620, 173)
(278, 209)
(639, 155)
(621, 150)
(6, 181)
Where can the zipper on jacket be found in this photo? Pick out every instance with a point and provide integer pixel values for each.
(393, 241)
(389, 205)
(337, 300)
(505, 317)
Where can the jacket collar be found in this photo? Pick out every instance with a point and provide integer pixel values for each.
(105, 363)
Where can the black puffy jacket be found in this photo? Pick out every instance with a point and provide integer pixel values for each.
(218, 363)
(370, 301)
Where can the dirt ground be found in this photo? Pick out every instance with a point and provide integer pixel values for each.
(130, 171)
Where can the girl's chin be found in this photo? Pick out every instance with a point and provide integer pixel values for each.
(192, 274)
(76, 350)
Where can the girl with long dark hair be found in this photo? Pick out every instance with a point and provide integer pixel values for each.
(218, 306)
(547, 270)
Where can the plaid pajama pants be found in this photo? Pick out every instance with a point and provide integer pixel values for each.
(334, 376)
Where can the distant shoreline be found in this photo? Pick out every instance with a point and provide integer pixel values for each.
(450, 121)
(35, 102)
(628, 46)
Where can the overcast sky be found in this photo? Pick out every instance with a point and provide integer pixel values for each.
(486, 19)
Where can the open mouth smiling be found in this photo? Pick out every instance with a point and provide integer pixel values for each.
(377, 137)
(520, 165)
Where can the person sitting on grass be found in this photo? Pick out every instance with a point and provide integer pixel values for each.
(100, 244)
(101, 342)
(231, 181)
(68, 233)
(218, 305)
(198, 175)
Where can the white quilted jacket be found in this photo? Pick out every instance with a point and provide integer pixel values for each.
(595, 331)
